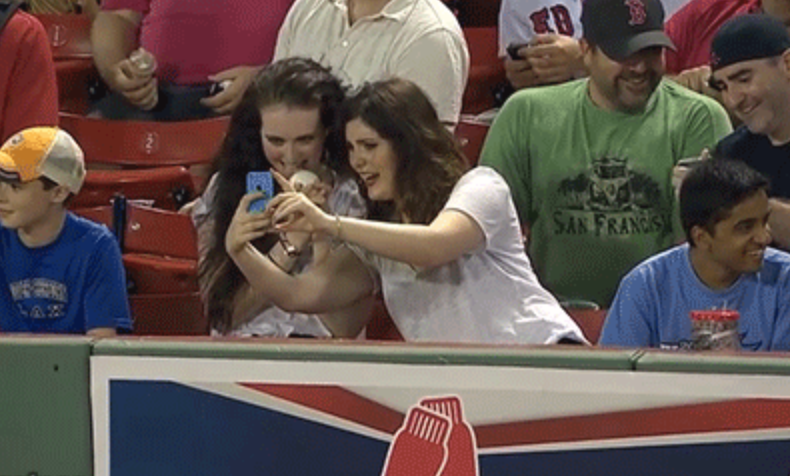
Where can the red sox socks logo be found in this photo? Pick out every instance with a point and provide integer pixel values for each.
(433, 441)
(636, 8)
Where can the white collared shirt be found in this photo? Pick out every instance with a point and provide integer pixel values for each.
(418, 40)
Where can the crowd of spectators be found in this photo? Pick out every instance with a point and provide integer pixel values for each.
(573, 200)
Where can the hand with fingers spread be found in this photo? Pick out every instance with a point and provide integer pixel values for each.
(245, 226)
(697, 79)
(294, 211)
(554, 58)
(317, 191)
(226, 101)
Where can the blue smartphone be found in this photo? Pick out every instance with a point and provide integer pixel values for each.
(260, 182)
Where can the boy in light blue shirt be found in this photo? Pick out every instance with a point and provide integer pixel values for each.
(726, 263)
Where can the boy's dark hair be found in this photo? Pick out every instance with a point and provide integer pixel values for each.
(712, 189)
(49, 184)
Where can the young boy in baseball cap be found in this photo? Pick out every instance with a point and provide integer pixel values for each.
(59, 273)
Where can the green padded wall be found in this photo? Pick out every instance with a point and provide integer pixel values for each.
(44, 406)
(757, 363)
(569, 357)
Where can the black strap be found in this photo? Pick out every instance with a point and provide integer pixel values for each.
(7, 9)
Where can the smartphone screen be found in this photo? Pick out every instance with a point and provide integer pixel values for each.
(260, 182)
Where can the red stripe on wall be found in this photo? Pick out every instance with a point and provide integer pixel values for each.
(736, 415)
(336, 401)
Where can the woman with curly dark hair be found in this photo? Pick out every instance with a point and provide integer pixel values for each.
(285, 123)
(446, 247)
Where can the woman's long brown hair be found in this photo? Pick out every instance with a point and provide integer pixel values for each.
(430, 160)
(294, 82)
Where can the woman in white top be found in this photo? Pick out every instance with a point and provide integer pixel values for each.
(286, 122)
(446, 247)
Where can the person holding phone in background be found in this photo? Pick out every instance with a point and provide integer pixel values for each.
(445, 246)
(193, 43)
(285, 123)
(538, 41)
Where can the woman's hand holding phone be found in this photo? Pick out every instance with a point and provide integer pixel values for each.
(247, 226)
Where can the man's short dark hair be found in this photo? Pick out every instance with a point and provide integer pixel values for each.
(712, 189)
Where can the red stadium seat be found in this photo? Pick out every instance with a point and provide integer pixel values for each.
(478, 13)
(136, 144)
(159, 247)
(159, 232)
(380, 325)
(486, 70)
(69, 35)
(471, 135)
(69, 39)
(149, 274)
(101, 215)
(590, 321)
(168, 187)
(160, 257)
(168, 314)
(140, 144)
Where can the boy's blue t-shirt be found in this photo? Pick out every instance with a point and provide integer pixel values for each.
(72, 285)
(654, 301)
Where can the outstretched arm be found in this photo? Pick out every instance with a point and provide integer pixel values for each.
(449, 236)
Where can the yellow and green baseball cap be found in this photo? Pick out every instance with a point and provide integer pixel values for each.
(43, 152)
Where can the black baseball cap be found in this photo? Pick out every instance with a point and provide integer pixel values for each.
(748, 37)
(623, 27)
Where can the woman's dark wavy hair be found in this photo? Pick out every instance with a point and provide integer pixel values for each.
(430, 160)
(295, 82)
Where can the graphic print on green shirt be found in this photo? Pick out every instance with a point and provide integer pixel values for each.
(594, 186)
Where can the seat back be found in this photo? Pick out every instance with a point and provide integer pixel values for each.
(471, 135)
(486, 70)
(149, 274)
(478, 13)
(168, 187)
(146, 143)
(590, 321)
(159, 232)
(69, 35)
(168, 314)
(102, 215)
(70, 42)
(380, 326)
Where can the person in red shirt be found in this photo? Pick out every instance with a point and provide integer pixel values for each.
(196, 43)
(693, 26)
(692, 29)
(28, 88)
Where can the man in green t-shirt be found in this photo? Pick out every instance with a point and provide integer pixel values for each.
(590, 162)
